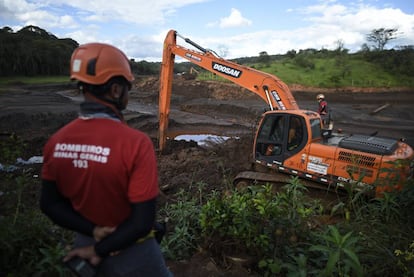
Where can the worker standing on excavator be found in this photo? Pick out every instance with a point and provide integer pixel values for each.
(323, 105)
(323, 110)
(99, 176)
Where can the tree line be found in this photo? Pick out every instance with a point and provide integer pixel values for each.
(397, 61)
(32, 51)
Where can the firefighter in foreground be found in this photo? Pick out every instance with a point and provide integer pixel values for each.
(99, 176)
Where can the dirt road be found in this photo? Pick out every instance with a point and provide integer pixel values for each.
(35, 112)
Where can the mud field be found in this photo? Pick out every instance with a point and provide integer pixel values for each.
(202, 108)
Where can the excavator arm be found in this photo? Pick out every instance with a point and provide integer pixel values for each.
(270, 88)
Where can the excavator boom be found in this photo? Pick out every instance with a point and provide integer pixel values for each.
(270, 88)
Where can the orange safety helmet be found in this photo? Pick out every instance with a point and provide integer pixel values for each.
(96, 63)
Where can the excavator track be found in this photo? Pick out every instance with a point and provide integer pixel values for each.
(275, 178)
(330, 196)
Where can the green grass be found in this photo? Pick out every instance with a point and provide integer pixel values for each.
(5, 81)
(332, 72)
(304, 69)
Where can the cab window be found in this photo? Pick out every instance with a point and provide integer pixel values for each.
(315, 128)
(270, 138)
(295, 133)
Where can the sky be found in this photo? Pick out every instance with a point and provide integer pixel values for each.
(231, 28)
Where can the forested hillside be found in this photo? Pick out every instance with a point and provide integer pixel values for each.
(33, 51)
(334, 68)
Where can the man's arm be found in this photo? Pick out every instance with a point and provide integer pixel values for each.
(136, 226)
(324, 107)
(60, 210)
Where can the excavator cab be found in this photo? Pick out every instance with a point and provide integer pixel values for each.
(280, 136)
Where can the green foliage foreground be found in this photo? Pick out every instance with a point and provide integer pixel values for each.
(287, 234)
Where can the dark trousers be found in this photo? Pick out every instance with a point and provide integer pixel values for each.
(140, 259)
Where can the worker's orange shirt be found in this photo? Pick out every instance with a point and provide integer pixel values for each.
(101, 166)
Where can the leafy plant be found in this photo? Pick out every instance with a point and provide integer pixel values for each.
(299, 267)
(11, 148)
(181, 241)
(51, 262)
(258, 222)
(340, 252)
(270, 266)
(28, 245)
(357, 193)
(386, 224)
(406, 259)
(391, 176)
(387, 207)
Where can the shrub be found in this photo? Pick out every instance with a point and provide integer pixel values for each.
(30, 244)
(339, 253)
(406, 259)
(182, 236)
(258, 222)
(11, 148)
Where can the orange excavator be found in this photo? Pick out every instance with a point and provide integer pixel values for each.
(292, 141)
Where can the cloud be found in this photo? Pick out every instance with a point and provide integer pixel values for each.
(11, 10)
(38, 14)
(84, 35)
(235, 19)
(149, 48)
(98, 20)
(351, 24)
(141, 12)
(128, 24)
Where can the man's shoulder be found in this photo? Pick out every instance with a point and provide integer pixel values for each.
(110, 127)
(132, 133)
(131, 130)
(64, 128)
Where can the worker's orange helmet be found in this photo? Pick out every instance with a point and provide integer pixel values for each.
(96, 63)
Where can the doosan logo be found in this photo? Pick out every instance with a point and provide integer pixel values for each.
(227, 70)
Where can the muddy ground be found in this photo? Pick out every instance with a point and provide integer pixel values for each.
(35, 112)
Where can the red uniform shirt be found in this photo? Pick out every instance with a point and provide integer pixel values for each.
(101, 166)
(323, 107)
